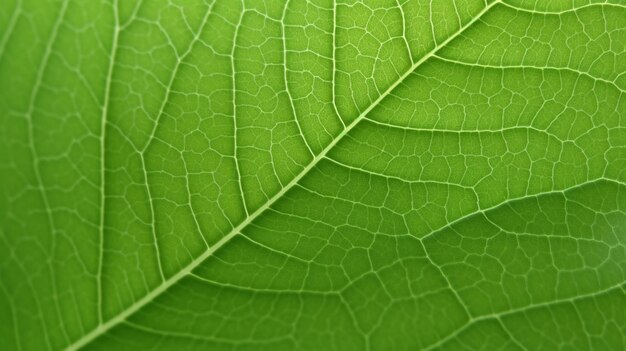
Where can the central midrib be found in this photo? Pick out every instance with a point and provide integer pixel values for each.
(104, 327)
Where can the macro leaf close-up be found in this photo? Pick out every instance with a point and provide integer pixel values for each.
(312, 175)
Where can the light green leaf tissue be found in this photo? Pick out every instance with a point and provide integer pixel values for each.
(312, 175)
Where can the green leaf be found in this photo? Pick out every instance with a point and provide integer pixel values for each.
(312, 174)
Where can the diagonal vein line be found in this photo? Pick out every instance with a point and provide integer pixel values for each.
(35, 164)
(105, 327)
(103, 126)
(500, 315)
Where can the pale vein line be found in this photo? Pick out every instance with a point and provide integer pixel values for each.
(168, 93)
(190, 199)
(334, 59)
(393, 177)
(432, 24)
(10, 27)
(103, 328)
(179, 62)
(485, 210)
(36, 169)
(235, 129)
(558, 13)
(449, 284)
(466, 131)
(287, 90)
(534, 67)
(153, 225)
(499, 315)
(176, 334)
(103, 124)
(257, 290)
(404, 35)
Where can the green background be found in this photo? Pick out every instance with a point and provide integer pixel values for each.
(312, 174)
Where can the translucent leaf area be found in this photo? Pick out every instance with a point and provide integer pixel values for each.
(312, 174)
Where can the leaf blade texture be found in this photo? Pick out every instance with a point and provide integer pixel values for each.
(312, 174)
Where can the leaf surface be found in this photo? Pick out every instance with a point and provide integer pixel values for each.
(312, 174)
